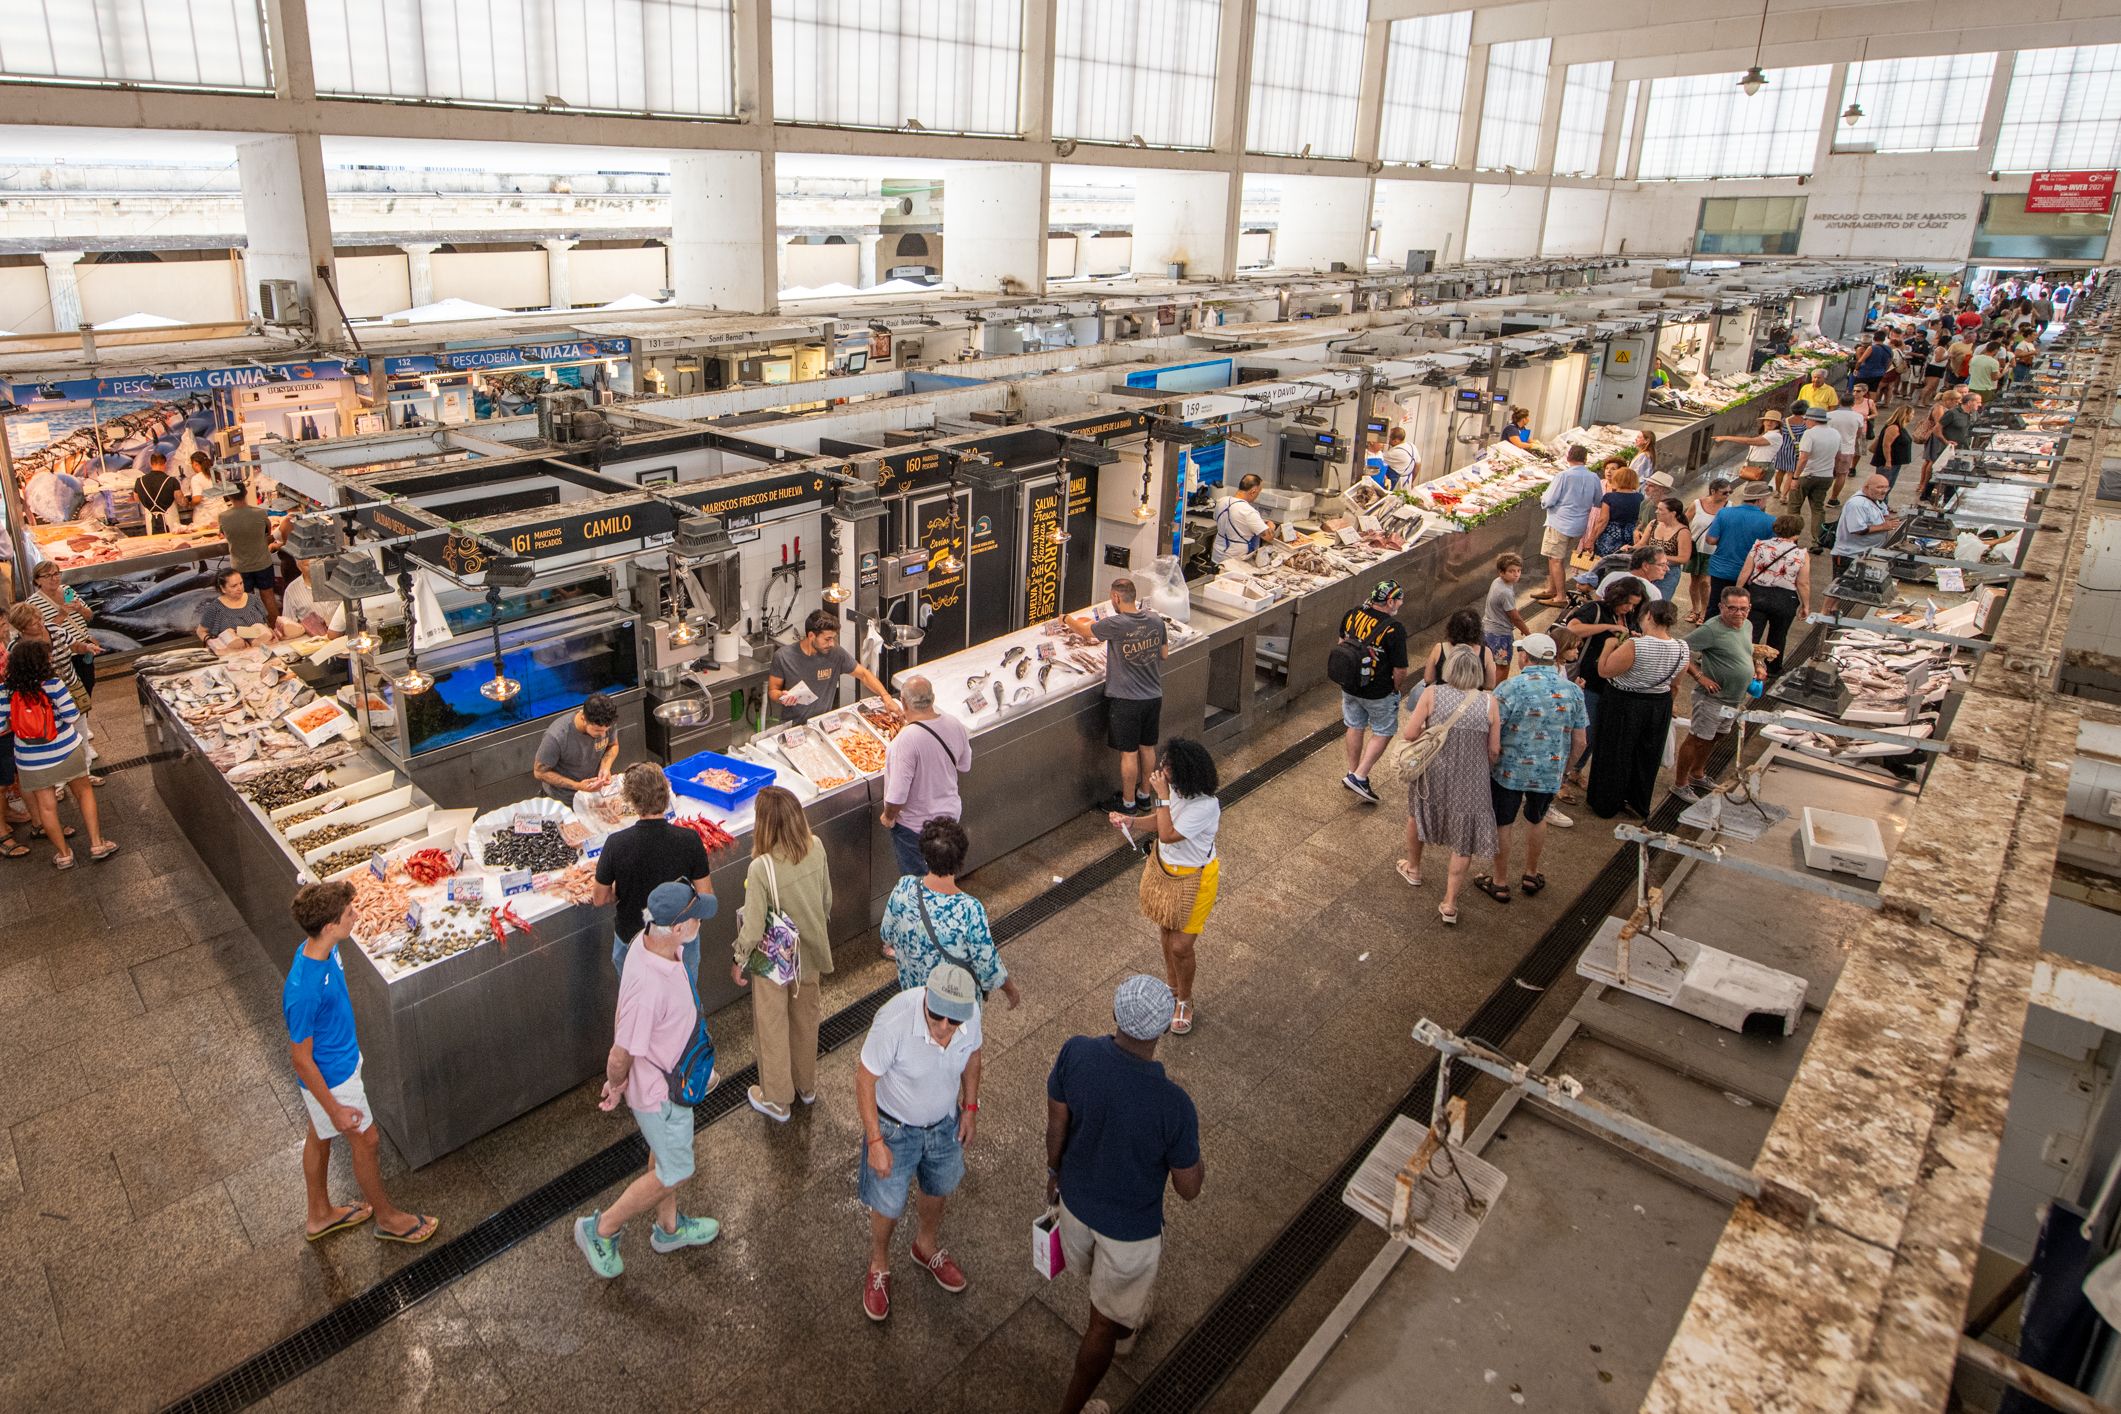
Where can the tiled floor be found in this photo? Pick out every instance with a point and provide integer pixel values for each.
(150, 1185)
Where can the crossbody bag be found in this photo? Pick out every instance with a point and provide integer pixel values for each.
(1777, 598)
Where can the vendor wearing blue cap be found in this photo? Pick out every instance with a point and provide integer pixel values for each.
(917, 1090)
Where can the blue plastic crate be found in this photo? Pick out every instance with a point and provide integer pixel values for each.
(755, 778)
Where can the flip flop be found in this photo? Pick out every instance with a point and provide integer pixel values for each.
(346, 1216)
(1413, 879)
(427, 1228)
(1449, 916)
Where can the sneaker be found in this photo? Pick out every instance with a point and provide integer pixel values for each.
(1360, 786)
(876, 1295)
(777, 1113)
(1125, 1345)
(1145, 805)
(601, 1252)
(808, 1097)
(1116, 804)
(1097, 1406)
(692, 1232)
(948, 1274)
(1560, 821)
(1688, 792)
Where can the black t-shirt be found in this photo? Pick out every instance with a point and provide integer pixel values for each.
(156, 491)
(1591, 612)
(1388, 636)
(641, 856)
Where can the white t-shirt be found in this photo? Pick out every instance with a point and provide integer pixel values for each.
(1818, 450)
(916, 1080)
(1649, 585)
(1403, 461)
(1199, 818)
(1236, 523)
(1849, 423)
(208, 511)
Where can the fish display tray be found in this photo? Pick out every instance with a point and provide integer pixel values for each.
(753, 779)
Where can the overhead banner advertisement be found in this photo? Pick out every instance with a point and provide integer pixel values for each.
(2070, 193)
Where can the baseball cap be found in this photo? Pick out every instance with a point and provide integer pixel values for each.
(952, 994)
(1386, 591)
(1539, 647)
(1142, 1006)
(672, 903)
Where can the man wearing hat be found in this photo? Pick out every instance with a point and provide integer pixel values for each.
(1369, 698)
(658, 1016)
(1116, 1129)
(917, 1091)
(1544, 722)
(1818, 453)
(1758, 473)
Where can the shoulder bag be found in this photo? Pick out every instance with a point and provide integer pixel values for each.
(1775, 598)
(774, 957)
(693, 1076)
(958, 959)
(1415, 757)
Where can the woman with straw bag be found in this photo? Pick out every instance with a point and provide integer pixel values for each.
(1180, 878)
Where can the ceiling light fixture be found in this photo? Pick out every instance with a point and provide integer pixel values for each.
(1853, 114)
(1756, 78)
(502, 688)
(835, 593)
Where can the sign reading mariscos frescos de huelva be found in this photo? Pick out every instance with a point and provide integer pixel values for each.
(2070, 193)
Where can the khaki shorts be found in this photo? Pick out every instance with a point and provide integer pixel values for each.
(350, 1092)
(1556, 546)
(1122, 1275)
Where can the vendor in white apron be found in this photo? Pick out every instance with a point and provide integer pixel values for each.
(1398, 466)
(1239, 526)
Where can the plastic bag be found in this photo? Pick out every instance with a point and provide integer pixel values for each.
(1163, 588)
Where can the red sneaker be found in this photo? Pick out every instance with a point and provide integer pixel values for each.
(876, 1295)
(948, 1274)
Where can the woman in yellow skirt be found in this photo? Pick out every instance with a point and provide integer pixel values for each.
(1182, 873)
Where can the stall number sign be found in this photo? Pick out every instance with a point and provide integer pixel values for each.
(2070, 193)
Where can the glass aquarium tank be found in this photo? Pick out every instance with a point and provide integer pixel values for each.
(556, 672)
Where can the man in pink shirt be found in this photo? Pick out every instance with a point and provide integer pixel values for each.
(921, 768)
(658, 1014)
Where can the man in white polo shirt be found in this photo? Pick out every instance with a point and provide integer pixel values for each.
(917, 1091)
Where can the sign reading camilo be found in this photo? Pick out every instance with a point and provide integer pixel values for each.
(2070, 193)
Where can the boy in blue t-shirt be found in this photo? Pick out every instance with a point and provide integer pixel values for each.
(327, 1058)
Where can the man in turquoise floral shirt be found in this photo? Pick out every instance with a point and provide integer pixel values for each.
(1543, 725)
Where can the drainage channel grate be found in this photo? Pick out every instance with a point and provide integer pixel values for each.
(345, 1325)
(105, 768)
(1197, 1366)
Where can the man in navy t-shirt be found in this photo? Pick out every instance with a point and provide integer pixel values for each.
(1729, 537)
(1116, 1130)
(327, 1059)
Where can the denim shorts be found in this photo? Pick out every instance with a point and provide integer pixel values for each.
(933, 1151)
(906, 848)
(1377, 715)
(669, 1134)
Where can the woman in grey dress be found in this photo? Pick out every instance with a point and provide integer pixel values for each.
(1449, 806)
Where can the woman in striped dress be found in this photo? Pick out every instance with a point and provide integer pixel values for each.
(38, 712)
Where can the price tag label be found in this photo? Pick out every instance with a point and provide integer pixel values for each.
(528, 825)
(414, 916)
(1951, 579)
(337, 802)
(469, 888)
(1348, 536)
(517, 881)
(594, 849)
(378, 866)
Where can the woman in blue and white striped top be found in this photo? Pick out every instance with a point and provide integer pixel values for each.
(43, 766)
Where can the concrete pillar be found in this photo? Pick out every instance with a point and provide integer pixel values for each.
(420, 270)
(558, 292)
(1081, 268)
(1185, 216)
(1476, 95)
(994, 227)
(1323, 220)
(1417, 214)
(723, 246)
(865, 277)
(287, 220)
(63, 289)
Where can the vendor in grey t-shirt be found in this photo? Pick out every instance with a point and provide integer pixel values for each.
(1136, 644)
(579, 749)
(816, 660)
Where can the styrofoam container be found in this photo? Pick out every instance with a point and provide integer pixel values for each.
(1233, 596)
(349, 789)
(1843, 844)
(383, 832)
(1294, 503)
(339, 723)
(374, 807)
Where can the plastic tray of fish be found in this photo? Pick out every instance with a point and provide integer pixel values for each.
(850, 733)
(811, 752)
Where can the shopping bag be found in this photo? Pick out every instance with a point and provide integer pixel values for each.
(1047, 1257)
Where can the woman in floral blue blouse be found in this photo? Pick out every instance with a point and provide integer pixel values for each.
(954, 928)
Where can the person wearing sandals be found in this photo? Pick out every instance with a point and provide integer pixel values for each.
(1180, 879)
(25, 622)
(1667, 529)
(38, 714)
(1543, 728)
(1639, 670)
(929, 920)
(788, 878)
(327, 1057)
(1448, 804)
